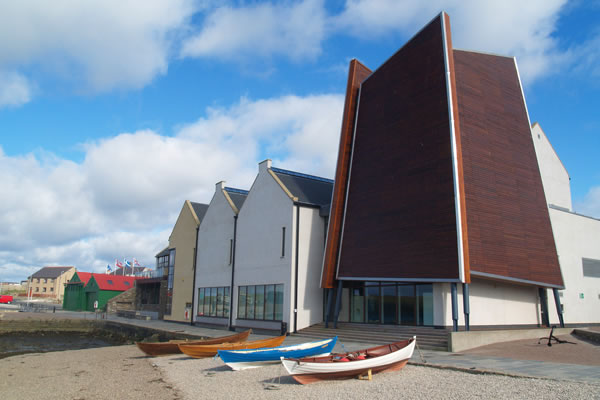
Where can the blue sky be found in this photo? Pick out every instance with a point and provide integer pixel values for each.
(112, 113)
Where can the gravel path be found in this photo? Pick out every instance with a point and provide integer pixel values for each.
(209, 378)
(119, 372)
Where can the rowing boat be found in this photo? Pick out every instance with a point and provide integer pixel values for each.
(171, 347)
(243, 359)
(389, 357)
(201, 351)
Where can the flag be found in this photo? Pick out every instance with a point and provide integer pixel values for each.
(136, 263)
(108, 268)
(118, 264)
(127, 263)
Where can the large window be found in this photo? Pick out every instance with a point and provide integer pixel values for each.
(392, 303)
(213, 302)
(261, 302)
(170, 282)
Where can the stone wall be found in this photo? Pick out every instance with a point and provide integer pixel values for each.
(122, 302)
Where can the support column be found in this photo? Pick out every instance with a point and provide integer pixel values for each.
(454, 307)
(338, 304)
(466, 306)
(559, 309)
(328, 307)
(544, 305)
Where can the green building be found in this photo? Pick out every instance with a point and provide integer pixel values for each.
(85, 289)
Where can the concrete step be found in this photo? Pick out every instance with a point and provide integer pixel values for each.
(427, 337)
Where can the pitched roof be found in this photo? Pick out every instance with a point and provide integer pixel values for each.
(308, 189)
(199, 209)
(50, 272)
(238, 196)
(83, 277)
(114, 282)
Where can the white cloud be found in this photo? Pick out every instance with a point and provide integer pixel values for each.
(509, 27)
(590, 205)
(124, 197)
(101, 45)
(294, 30)
(15, 89)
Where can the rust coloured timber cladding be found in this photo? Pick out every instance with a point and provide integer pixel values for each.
(400, 217)
(510, 235)
(356, 75)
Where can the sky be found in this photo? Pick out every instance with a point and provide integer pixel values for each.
(114, 112)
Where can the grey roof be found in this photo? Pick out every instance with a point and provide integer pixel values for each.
(50, 272)
(164, 252)
(199, 209)
(238, 196)
(126, 270)
(308, 189)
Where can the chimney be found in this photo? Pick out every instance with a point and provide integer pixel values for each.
(219, 186)
(264, 166)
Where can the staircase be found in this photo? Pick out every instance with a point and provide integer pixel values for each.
(427, 337)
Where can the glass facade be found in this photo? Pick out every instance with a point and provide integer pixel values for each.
(261, 302)
(171, 272)
(213, 302)
(392, 303)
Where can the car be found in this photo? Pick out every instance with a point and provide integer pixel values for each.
(6, 299)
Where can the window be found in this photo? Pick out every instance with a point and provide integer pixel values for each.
(283, 242)
(171, 268)
(37, 289)
(261, 302)
(110, 282)
(43, 289)
(213, 302)
(591, 267)
(52, 289)
(38, 280)
(45, 280)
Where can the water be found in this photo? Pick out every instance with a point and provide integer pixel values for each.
(41, 342)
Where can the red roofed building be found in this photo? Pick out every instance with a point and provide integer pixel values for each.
(85, 289)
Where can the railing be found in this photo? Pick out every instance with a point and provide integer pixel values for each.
(36, 307)
(151, 274)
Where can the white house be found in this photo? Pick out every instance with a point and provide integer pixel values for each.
(215, 256)
(577, 239)
(279, 250)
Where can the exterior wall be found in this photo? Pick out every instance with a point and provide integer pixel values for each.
(576, 237)
(54, 287)
(492, 303)
(258, 254)
(183, 240)
(555, 178)
(213, 268)
(310, 260)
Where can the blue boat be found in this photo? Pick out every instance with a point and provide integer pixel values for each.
(242, 359)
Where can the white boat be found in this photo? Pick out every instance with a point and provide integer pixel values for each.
(389, 357)
(252, 358)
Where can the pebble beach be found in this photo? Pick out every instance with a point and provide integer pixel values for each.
(123, 372)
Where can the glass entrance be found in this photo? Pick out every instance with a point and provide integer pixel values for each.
(392, 303)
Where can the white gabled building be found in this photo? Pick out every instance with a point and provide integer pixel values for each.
(215, 256)
(577, 239)
(279, 250)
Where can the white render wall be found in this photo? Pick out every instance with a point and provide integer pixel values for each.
(258, 254)
(556, 181)
(216, 230)
(576, 237)
(310, 261)
(491, 303)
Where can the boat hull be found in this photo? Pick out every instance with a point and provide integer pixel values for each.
(172, 346)
(243, 359)
(203, 351)
(390, 357)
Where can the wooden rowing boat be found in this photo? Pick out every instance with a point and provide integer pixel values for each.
(243, 359)
(171, 347)
(389, 357)
(203, 350)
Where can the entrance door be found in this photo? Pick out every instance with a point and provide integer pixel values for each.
(390, 306)
(406, 298)
(373, 304)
